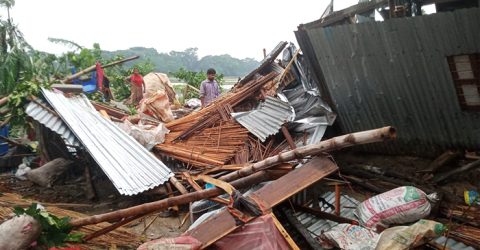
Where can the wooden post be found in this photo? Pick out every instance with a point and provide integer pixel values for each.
(178, 185)
(173, 209)
(89, 189)
(287, 135)
(93, 67)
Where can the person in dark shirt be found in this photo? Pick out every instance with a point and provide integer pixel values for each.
(107, 92)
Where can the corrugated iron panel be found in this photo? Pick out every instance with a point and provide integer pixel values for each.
(131, 168)
(396, 73)
(316, 225)
(51, 121)
(267, 119)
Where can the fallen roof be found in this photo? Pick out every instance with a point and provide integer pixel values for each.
(38, 110)
(267, 119)
(131, 168)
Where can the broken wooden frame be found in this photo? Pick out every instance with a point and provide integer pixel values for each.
(268, 196)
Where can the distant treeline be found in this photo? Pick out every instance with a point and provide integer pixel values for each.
(188, 59)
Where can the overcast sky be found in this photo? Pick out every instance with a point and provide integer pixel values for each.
(238, 28)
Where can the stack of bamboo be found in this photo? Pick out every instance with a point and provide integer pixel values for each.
(210, 147)
(121, 237)
(210, 137)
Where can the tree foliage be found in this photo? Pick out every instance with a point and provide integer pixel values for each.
(15, 61)
(55, 231)
(65, 42)
(189, 60)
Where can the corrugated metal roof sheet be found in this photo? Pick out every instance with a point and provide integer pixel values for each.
(131, 168)
(51, 121)
(267, 119)
(315, 225)
(396, 73)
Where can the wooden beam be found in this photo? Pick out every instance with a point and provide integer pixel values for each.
(289, 138)
(165, 203)
(93, 67)
(270, 195)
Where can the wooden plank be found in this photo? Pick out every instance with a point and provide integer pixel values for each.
(270, 195)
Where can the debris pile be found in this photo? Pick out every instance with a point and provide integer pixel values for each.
(263, 165)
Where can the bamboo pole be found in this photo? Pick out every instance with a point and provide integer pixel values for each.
(93, 67)
(169, 202)
(178, 185)
(339, 142)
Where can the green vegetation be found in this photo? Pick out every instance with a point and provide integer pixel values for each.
(55, 231)
(188, 59)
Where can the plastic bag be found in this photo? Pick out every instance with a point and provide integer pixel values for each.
(147, 135)
(193, 103)
(350, 237)
(158, 106)
(403, 237)
(397, 206)
(19, 232)
(22, 171)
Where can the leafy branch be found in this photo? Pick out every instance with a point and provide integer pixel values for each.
(55, 231)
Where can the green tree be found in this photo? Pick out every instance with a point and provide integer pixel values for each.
(189, 60)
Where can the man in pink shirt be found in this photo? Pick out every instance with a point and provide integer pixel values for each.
(209, 89)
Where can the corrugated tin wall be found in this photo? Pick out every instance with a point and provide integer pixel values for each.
(396, 73)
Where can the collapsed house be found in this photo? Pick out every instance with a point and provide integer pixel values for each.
(419, 74)
(261, 150)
